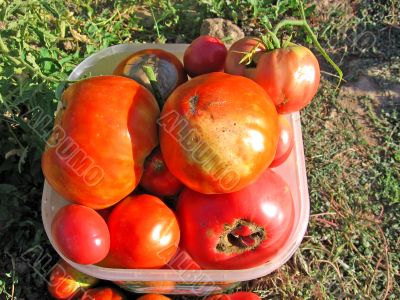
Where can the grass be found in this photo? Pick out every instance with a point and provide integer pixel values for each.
(353, 155)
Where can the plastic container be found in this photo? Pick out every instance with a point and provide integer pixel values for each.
(189, 282)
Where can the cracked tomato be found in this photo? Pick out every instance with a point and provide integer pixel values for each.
(238, 230)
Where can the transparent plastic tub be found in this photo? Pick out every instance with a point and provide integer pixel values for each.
(189, 282)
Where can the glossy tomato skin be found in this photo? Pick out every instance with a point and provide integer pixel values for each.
(103, 293)
(290, 76)
(285, 143)
(205, 54)
(236, 53)
(237, 230)
(66, 282)
(102, 135)
(218, 132)
(77, 227)
(157, 179)
(167, 67)
(144, 233)
(153, 297)
(235, 296)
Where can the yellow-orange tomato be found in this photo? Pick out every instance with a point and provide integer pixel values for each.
(153, 297)
(218, 132)
(103, 133)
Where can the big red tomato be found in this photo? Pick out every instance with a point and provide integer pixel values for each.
(205, 54)
(237, 230)
(235, 296)
(103, 293)
(144, 233)
(102, 135)
(218, 132)
(285, 143)
(65, 281)
(157, 178)
(182, 261)
(77, 227)
(236, 53)
(167, 67)
(290, 76)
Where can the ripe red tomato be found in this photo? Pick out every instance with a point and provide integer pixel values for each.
(218, 132)
(65, 281)
(157, 178)
(236, 53)
(77, 227)
(168, 69)
(144, 233)
(290, 76)
(205, 54)
(285, 143)
(153, 297)
(239, 230)
(235, 296)
(102, 135)
(103, 293)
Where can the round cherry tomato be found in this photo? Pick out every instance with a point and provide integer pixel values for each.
(237, 52)
(237, 230)
(102, 135)
(285, 143)
(65, 281)
(235, 296)
(205, 54)
(144, 233)
(218, 132)
(290, 76)
(81, 234)
(167, 67)
(157, 178)
(153, 297)
(103, 293)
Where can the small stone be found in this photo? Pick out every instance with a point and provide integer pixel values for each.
(222, 29)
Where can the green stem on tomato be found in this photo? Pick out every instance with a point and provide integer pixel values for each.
(303, 23)
(275, 40)
(149, 71)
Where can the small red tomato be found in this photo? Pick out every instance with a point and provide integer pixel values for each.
(167, 68)
(153, 297)
(290, 76)
(237, 52)
(235, 296)
(65, 281)
(144, 233)
(103, 293)
(81, 234)
(238, 230)
(205, 54)
(285, 142)
(157, 179)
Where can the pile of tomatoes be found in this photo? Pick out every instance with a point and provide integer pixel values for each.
(159, 167)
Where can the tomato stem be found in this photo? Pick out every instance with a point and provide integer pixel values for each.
(149, 71)
(303, 23)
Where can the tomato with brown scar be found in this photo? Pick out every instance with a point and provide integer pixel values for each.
(238, 230)
(218, 132)
(167, 68)
(103, 133)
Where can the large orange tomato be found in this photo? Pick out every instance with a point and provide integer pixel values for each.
(218, 132)
(102, 135)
